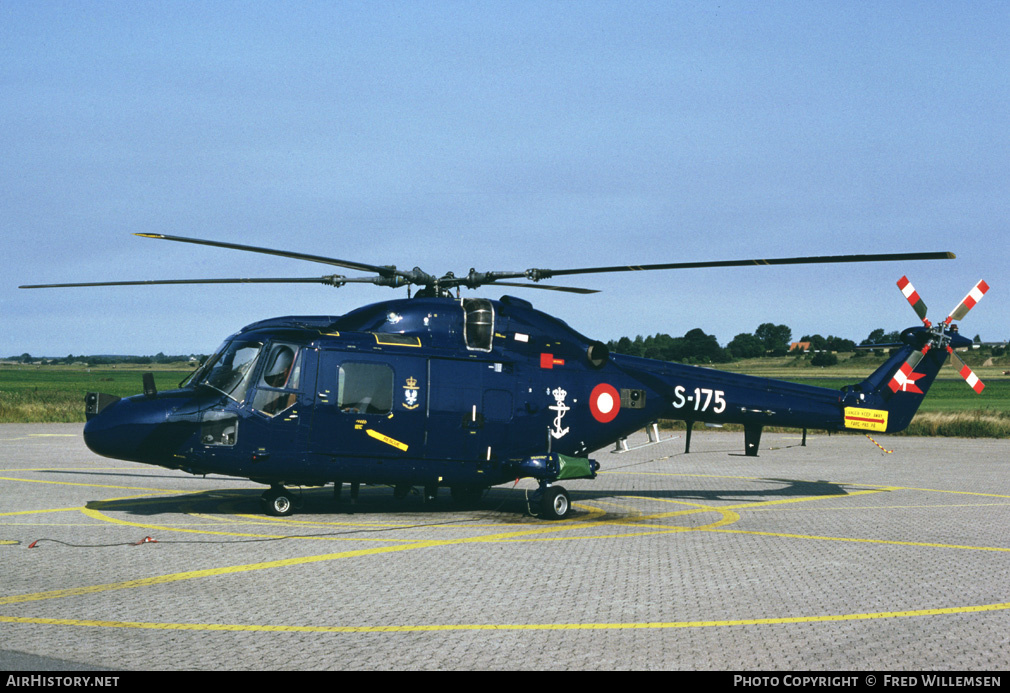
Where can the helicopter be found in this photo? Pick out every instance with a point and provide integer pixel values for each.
(437, 390)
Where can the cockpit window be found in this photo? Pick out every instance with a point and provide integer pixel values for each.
(230, 370)
(276, 388)
(279, 366)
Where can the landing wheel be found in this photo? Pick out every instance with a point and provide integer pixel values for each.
(401, 491)
(278, 502)
(555, 503)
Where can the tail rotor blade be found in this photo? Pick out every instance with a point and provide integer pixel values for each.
(913, 298)
(904, 378)
(968, 374)
(969, 301)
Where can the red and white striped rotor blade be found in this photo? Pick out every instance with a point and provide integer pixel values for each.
(904, 378)
(969, 301)
(968, 374)
(912, 296)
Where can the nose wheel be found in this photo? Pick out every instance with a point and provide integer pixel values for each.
(278, 502)
(555, 504)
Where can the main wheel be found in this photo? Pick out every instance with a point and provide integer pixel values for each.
(278, 502)
(555, 503)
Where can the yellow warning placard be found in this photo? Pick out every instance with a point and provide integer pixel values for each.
(866, 419)
(387, 440)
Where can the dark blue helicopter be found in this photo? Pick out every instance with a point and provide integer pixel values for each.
(468, 393)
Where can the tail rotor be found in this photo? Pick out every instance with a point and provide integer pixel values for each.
(940, 336)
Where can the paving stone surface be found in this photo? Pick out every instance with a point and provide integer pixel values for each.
(834, 555)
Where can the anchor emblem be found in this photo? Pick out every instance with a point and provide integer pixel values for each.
(561, 408)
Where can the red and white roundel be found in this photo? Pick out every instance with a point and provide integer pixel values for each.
(604, 402)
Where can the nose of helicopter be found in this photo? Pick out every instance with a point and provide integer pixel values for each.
(137, 429)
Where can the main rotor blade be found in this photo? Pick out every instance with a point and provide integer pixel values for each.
(378, 269)
(332, 280)
(879, 257)
(549, 287)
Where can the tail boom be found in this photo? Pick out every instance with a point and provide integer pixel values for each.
(884, 402)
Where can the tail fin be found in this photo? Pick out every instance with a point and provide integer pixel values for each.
(888, 399)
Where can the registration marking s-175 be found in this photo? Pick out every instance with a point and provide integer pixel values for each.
(701, 399)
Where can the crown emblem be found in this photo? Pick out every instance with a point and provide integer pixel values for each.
(411, 383)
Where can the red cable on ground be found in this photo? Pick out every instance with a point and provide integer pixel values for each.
(145, 540)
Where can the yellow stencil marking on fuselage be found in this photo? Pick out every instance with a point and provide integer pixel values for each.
(387, 440)
(866, 419)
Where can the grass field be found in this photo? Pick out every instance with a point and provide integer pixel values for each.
(946, 395)
(951, 408)
(55, 394)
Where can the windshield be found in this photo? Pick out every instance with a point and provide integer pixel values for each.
(230, 370)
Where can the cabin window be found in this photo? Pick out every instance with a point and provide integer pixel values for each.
(277, 386)
(365, 388)
(478, 326)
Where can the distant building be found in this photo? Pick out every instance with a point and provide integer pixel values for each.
(803, 347)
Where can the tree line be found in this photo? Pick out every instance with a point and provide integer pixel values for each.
(769, 339)
(108, 360)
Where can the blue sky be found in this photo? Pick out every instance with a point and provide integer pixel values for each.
(501, 135)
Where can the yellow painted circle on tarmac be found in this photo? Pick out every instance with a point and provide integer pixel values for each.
(640, 522)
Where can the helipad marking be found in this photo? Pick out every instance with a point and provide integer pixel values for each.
(194, 574)
(57, 468)
(653, 625)
(35, 512)
(303, 560)
(76, 483)
(892, 542)
(786, 501)
(534, 534)
(38, 435)
(523, 535)
(98, 515)
(260, 519)
(863, 508)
